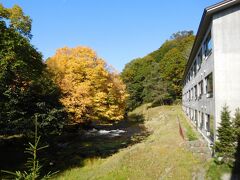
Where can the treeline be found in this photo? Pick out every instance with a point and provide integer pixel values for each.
(75, 85)
(157, 77)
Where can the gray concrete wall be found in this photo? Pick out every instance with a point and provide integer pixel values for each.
(226, 43)
(205, 104)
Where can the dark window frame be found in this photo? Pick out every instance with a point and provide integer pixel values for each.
(199, 58)
(209, 85)
(208, 45)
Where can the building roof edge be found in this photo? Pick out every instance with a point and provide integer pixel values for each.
(207, 14)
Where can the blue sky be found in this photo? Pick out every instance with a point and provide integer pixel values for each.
(118, 30)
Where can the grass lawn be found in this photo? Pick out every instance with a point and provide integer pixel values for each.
(162, 155)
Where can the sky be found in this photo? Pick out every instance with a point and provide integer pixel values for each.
(118, 30)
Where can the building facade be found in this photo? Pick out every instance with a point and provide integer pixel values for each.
(212, 75)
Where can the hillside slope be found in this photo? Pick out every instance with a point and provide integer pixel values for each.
(157, 77)
(162, 155)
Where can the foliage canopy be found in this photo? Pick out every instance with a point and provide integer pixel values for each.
(25, 88)
(90, 89)
(157, 77)
(17, 19)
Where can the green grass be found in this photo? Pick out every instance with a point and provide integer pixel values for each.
(162, 155)
(215, 171)
(189, 131)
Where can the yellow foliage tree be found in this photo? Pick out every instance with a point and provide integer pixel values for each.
(91, 90)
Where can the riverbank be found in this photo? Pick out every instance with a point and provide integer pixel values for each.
(74, 146)
(161, 155)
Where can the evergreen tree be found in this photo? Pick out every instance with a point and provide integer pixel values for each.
(237, 135)
(225, 146)
(237, 123)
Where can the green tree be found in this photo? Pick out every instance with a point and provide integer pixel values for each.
(236, 121)
(134, 76)
(181, 34)
(237, 135)
(224, 146)
(172, 67)
(157, 77)
(17, 19)
(25, 86)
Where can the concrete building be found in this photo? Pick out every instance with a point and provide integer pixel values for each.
(212, 75)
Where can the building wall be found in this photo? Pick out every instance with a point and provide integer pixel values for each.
(204, 104)
(226, 41)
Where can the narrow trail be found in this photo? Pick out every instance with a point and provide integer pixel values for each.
(162, 155)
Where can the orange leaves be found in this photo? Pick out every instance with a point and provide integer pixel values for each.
(90, 90)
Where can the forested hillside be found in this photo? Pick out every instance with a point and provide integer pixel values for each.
(157, 77)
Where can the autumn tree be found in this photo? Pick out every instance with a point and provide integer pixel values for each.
(91, 91)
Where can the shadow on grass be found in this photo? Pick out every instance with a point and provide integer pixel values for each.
(75, 145)
(137, 118)
(12, 154)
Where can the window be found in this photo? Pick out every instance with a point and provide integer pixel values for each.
(191, 73)
(194, 68)
(205, 86)
(200, 89)
(208, 45)
(199, 119)
(189, 95)
(195, 90)
(196, 117)
(210, 126)
(209, 85)
(208, 123)
(192, 115)
(202, 121)
(199, 59)
(192, 94)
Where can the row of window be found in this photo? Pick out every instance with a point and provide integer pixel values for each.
(203, 121)
(196, 66)
(203, 87)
